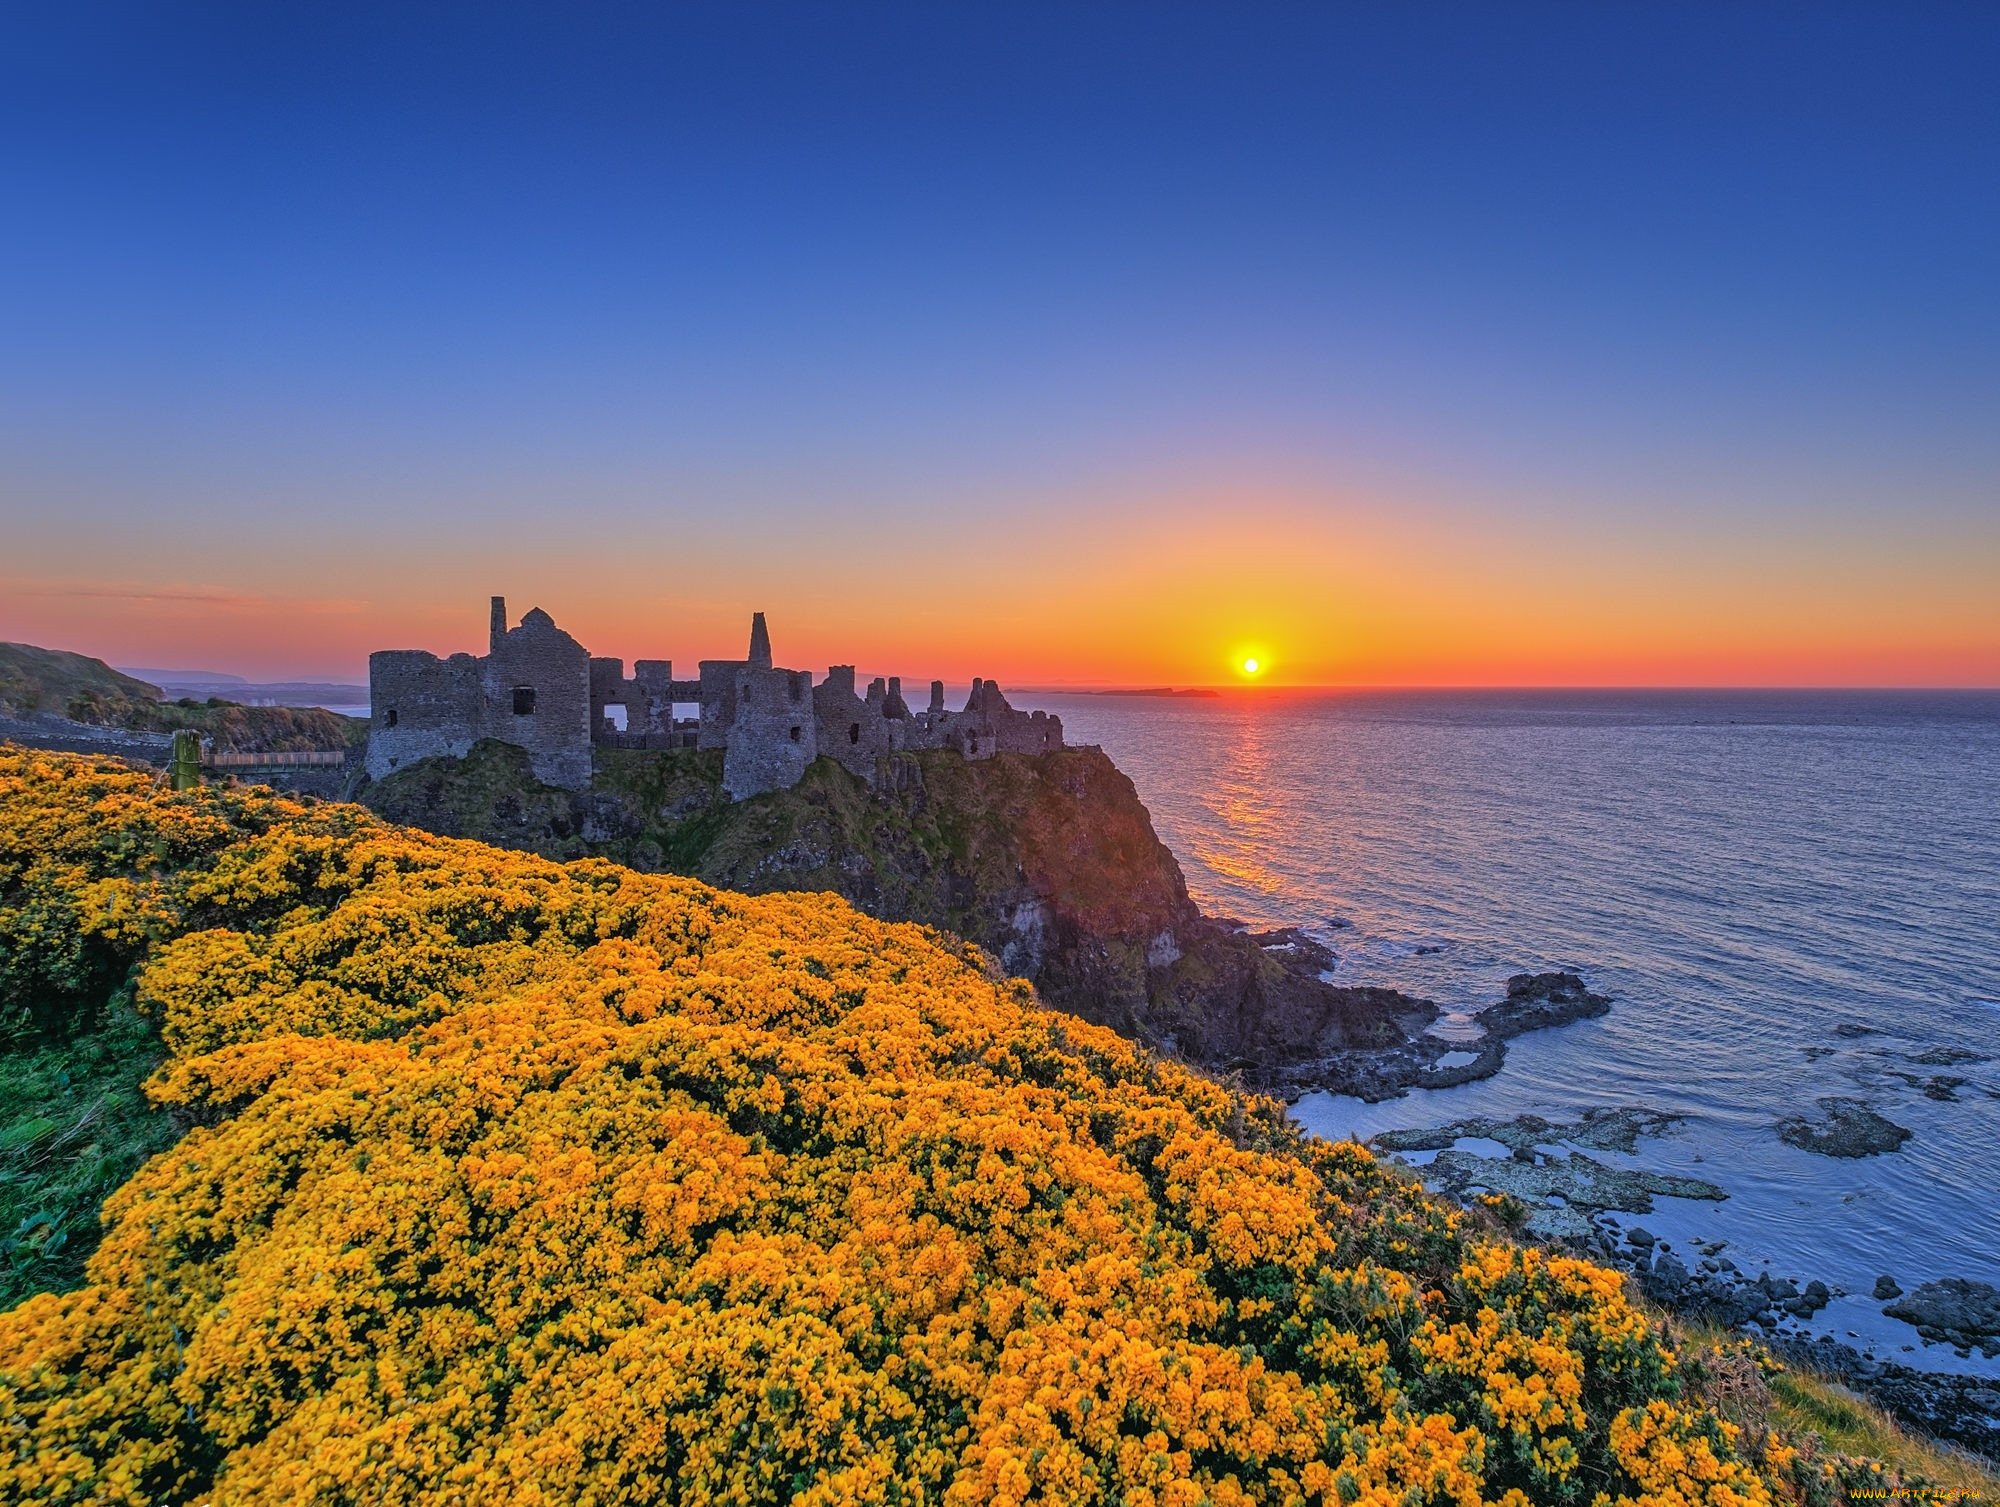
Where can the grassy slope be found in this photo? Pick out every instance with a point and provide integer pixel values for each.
(1820, 1418)
(230, 726)
(57, 683)
(44, 680)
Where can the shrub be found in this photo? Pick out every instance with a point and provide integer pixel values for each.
(515, 1180)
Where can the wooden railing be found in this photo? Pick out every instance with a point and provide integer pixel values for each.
(292, 759)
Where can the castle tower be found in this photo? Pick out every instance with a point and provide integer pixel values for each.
(498, 628)
(760, 643)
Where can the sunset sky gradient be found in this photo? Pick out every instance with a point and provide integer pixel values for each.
(1399, 344)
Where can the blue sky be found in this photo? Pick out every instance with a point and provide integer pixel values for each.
(369, 307)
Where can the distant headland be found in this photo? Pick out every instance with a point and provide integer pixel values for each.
(1163, 690)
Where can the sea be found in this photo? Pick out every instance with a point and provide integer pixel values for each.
(1789, 895)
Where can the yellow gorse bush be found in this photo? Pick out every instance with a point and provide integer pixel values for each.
(513, 1181)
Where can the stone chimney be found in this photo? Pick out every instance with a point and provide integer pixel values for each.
(499, 629)
(760, 643)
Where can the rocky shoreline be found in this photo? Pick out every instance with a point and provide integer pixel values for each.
(1533, 1002)
(1570, 1199)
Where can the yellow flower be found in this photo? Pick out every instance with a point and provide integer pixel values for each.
(521, 1181)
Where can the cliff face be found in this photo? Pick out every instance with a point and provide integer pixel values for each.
(1050, 863)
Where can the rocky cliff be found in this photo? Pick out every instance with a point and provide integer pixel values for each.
(1050, 863)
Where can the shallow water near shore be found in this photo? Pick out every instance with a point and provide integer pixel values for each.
(1790, 896)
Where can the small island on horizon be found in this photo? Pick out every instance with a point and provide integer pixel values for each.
(1158, 690)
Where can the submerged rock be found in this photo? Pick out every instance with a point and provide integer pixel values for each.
(1846, 1128)
(1598, 1130)
(1572, 1196)
(1564, 1190)
(1948, 1057)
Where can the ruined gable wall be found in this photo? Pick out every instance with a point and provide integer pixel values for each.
(774, 735)
(770, 723)
(989, 725)
(539, 657)
(421, 707)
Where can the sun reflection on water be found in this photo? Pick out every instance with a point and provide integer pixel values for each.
(1240, 843)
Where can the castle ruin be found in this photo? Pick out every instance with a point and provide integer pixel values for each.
(539, 689)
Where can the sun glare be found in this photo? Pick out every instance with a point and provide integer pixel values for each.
(1249, 667)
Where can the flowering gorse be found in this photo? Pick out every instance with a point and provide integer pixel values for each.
(515, 1181)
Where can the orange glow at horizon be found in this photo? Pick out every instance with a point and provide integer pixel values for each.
(1141, 592)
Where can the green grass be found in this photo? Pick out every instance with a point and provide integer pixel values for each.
(73, 1126)
(1840, 1436)
(1846, 1424)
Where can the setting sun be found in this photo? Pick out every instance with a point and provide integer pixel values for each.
(1250, 662)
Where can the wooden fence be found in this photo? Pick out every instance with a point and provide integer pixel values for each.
(295, 759)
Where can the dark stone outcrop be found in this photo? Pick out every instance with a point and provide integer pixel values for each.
(1956, 1312)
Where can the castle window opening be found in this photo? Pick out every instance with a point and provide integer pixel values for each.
(853, 731)
(524, 701)
(614, 713)
(795, 735)
(390, 720)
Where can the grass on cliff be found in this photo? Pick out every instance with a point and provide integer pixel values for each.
(1831, 1427)
(1808, 1406)
(942, 849)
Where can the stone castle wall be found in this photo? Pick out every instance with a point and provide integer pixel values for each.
(423, 707)
(540, 689)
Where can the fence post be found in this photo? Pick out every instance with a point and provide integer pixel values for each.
(184, 767)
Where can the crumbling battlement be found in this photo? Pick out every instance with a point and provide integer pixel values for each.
(540, 689)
